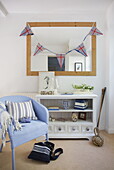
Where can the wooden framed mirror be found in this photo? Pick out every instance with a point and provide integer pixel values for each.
(39, 28)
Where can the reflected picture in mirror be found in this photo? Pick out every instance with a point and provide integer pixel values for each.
(78, 66)
(53, 64)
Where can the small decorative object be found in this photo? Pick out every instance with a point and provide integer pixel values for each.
(82, 115)
(74, 117)
(47, 92)
(53, 120)
(46, 82)
(97, 139)
(83, 88)
(81, 104)
(65, 104)
(50, 118)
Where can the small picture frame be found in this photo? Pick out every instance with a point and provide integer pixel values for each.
(82, 115)
(78, 66)
(46, 82)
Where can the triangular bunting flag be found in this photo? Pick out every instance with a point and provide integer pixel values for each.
(39, 48)
(60, 58)
(81, 49)
(27, 31)
(95, 31)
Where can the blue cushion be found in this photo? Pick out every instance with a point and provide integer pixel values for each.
(29, 132)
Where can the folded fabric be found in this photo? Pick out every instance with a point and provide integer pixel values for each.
(5, 121)
(25, 120)
(81, 104)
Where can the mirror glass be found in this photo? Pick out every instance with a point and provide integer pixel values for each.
(60, 38)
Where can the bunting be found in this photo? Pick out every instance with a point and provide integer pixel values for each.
(39, 48)
(81, 49)
(95, 31)
(27, 31)
(60, 58)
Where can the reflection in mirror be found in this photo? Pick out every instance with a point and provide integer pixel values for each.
(60, 40)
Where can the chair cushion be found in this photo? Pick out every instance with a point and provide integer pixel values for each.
(21, 109)
(29, 131)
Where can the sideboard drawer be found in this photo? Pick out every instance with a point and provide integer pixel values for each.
(50, 128)
(73, 129)
(87, 129)
(60, 129)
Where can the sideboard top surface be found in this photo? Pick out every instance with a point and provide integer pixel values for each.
(67, 96)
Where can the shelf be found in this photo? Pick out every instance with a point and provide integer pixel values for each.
(71, 122)
(71, 110)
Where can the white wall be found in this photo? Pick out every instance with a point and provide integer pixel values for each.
(110, 70)
(13, 54)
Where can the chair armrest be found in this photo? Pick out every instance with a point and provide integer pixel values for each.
(41, 111)
(10, 130)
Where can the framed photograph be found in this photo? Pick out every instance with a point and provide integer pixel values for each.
(82, 115)
(46, 82)
(78, 66)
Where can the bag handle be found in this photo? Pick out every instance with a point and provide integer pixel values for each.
(54, 156)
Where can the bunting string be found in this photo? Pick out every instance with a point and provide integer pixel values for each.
(60, 57)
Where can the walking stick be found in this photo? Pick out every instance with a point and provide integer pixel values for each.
(97, 139)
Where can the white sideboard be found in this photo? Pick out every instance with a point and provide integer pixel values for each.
(61, 124)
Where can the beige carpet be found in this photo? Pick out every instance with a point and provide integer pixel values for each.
(78, 155)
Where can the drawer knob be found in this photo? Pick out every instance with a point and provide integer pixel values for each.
(73, 129)
(87, 129)
(59, 129)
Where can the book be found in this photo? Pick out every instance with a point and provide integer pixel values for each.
(53, 108)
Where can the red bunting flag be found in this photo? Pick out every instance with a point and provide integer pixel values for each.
(95, 31)
(60, 58)
(27, 31)
(39, 48)
(81, 49)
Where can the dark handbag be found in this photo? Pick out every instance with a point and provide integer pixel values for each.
(44, 151)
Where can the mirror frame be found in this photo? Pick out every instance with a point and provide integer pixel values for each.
(61, 24)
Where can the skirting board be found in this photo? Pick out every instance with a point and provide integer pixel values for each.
(110, 131)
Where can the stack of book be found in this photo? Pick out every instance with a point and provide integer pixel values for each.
(81, 104)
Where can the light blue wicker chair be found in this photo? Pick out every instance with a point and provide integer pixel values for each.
(29, 131)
